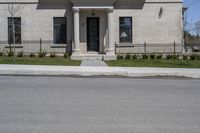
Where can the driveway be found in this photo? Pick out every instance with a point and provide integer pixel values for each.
(98, 105)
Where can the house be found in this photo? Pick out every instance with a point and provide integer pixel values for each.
(95, 27)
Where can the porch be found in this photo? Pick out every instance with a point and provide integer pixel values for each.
(93, 33)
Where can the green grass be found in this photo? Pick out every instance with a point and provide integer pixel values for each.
(155, 63)
(61, 61)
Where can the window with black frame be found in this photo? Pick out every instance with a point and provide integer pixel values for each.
(14, 25)
(60, 30)
(125, 29)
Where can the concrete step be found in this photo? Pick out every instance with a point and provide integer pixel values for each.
(93, 57)
(88, 57)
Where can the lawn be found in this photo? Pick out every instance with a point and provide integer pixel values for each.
(170, 63)
(40, 61)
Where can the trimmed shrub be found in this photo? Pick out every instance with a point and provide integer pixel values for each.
(173, 57)
(185, 57)
(134, 56)
(10, 52)
(195, 57)
(32, 55)
(177, 56)
(198, 57)
(42, 54)
(192, 57)
(53, 54)
(159, 56)
(128, 56)
(152, 56)
(66, 56)
(20, 54)
(119, 57)
(1, 53)
(144, 56)
(169, 57)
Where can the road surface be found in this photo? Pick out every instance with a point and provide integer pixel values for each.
(98, 105)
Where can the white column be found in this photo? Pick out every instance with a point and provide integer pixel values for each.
(111, 46)
(76, 31)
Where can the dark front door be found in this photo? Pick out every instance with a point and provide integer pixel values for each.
(93, 34)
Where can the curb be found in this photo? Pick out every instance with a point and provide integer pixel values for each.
(38, 70)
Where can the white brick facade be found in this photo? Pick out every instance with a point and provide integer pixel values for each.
(37, 22)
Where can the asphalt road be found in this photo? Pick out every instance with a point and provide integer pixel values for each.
(98, 105)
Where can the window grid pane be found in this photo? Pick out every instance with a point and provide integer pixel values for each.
(126, 29)
(17, 30)
(60, 34)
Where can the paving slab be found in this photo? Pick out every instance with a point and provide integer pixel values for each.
(92, 62)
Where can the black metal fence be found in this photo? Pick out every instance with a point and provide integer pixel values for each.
(30, 46)
(192, 47)
(149, 48)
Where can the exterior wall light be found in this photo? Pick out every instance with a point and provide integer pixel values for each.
(160, 12)
(93, 13)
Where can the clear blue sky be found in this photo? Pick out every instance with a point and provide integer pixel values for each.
(193, 11)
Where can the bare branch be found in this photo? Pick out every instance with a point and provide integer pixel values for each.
(14, 31)
(197, 28)
(14, 9)
(180, 26)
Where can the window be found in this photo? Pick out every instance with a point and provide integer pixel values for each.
(14, 24)
(60, 34)
(125, 29)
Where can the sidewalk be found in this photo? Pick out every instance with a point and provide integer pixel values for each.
(37, 70)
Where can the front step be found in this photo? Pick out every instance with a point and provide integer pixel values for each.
(93, 57)
(87, 57)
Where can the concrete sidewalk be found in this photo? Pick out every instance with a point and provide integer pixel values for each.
(38, 70)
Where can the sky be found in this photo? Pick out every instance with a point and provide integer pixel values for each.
(193, 12)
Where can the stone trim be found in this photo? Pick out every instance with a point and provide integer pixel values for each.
(19, 2)
(58, 46)
(163, 2)
(76, 10)
(16, 46)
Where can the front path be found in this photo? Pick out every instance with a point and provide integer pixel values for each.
(93, 62)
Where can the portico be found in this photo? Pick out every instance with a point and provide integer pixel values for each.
(93, 31)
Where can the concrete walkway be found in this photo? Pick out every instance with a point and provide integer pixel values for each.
(39, 70)
(94, 63)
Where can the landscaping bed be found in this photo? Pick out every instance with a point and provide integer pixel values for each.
(26, 60)
(39, 58)
(169, 61)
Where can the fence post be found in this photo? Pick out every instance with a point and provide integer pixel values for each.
(115, 48)
(66, 48)
(145, 47)
(174, 48)
(40, 44)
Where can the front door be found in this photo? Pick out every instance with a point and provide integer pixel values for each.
(93, 34)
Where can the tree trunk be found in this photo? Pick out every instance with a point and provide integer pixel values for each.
(13, 26)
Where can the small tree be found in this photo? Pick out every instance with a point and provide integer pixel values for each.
(181, 28)
(14, 10)
(197, 30)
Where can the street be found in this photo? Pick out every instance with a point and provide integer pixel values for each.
(98, 105)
